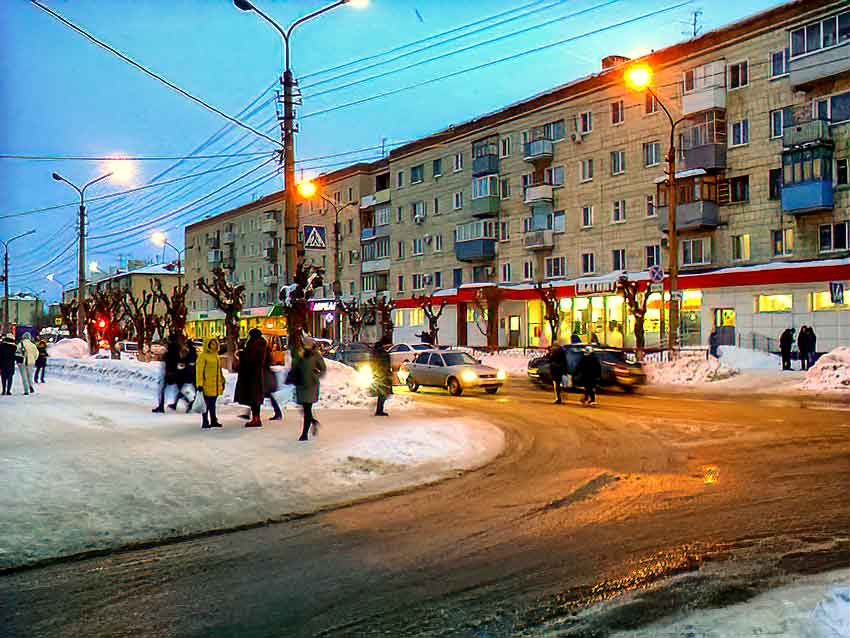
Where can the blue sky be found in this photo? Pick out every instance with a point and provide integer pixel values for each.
(62, 95)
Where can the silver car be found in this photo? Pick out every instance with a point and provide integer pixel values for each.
(455, 371)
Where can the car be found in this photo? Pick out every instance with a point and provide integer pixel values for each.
(128, 349)
(618, 368)
(453, 370)
(351, 354)
(405, 352)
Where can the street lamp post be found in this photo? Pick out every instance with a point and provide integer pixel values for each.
(640, 78)
(160, 239)
(291, 221)
(81, 257)
(6, 277)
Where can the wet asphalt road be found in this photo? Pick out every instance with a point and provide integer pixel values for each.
(584, 504)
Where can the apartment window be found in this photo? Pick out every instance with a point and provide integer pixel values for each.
(618, 162)
(526, 224)
(554, 130)
(399, 215)
(834, 108)
(417, 210)
(418, 247)
(651, 104)
(438, 243)
(505, 188)
(740, 247)
(382, 216)
(782, 242)
(400, 250)
(486, 186)
(350, 227)
(739, 75)
(832, 237)
(382, 247)
(842, 173)
(352, 287)
(417, 174)
(618, 112)
(337, 198)
(418, 281)
(457, 162)
(777, 123)
(399, 179)
(400, 286)
(650, 206)
(504, 230)
(774, 303)
(695, 252)
(651, 154)
(821, 35)
(586, 216)
(585, 121)
(618, 211)
(352, 257)
(559, 220)
(436, 206)
(779, 63)
(588, 267)
(505, 147)
(556, 267)
(739, 189)
(586, 168)
(528, 270)
(437, 167)
(774, 184)
(554, 175)
(653, 255)
(457, 200)
(740, 132)
(618, 259)
(506, 272)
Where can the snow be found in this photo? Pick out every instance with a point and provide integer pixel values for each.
(513, 361)
(688, 369)
(86, 465)
(746, 359)
(68, 348)
(830, 372)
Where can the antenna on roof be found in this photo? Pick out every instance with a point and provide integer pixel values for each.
(694, 23)
(383, 147)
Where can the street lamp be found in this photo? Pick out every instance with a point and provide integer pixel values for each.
(81, 257)
(6, 277)
(290, 213)
(639, 78)
(160, 239)
(52, 277)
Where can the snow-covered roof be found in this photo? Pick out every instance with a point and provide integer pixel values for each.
(151, 269)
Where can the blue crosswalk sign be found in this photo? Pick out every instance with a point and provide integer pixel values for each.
(836, 291)
(315, 238)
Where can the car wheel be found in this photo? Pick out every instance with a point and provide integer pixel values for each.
(491, 390)
(454, 387)
(628, 389)
(411, 384)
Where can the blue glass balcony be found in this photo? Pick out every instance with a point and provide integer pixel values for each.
(366, 234)
(807, 197)
(485, 165)
(475, 250)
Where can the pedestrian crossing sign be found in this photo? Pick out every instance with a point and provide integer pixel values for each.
(836, 292)
(315, 238)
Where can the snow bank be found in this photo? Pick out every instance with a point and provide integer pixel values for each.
(69, 349)
(688, 370)
(513, 361)
(746, 359)
(830, 372)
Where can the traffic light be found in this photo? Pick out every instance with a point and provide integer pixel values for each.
(101, 324)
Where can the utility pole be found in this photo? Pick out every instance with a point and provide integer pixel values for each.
(6, 277)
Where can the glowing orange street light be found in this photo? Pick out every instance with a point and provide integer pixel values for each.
(306, 189)
(638, 77)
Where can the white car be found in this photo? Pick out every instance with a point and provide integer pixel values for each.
(405, 352)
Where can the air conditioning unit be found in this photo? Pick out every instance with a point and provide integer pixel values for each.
(489, 271)
(428, 239)
(419, 219)
(428, 279)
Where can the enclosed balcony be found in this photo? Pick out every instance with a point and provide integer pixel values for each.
(270, 280)
(270, 253)
(367, 234)
(696, 203)
(214, 256)
(485, 165)
(539, 193)
(703, 140)
(807, 180)
(269, 225)
(476, 250)
(704, 88)
(819, 66)
(379, 197)
(538, 150)
(487, 206)
(806, 132)
(538, 240)
(228, 237)
(374, 265)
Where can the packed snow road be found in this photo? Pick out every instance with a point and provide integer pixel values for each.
(647, 504)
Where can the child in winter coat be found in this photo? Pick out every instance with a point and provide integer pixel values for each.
(41, 360)
(209, 379)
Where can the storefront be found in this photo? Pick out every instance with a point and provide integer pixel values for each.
(201, 325)
(320, 320)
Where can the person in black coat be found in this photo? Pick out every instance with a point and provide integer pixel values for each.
(557, 369)
(250, 386)
(813, 346)
(588, 374)
(714, 344)
(381, 374)
(177, 358)
(41, 361)
(7, 362)
(786, 342)
(803, 347)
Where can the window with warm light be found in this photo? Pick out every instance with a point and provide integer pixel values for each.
(822, 300)
(774, 303)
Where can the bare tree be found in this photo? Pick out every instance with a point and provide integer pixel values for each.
(637, 300)
(382, 308)
(550, 307)
(487, 300)
(175, 305)
(104, 316)
(426, 303)
(356, 314)
(68, 312)
(142, 316)
(295, 298)
(229, 299)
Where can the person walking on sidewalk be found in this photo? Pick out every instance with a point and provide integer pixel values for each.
(27, 354)
(7, 362)
(381, 374)
(249, 382)
(803, 347)
(176, 361)
(209, 379)
(786, 342)
(589, 372)
(813, 346)
(270, 386)
(557, 369)
(311, 368)
(41, 360)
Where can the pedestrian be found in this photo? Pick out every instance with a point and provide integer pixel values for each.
(803, 347)
(574, 338)
(26, 355)
(813, 346)
(7, 362)
(381, 373)
(557, 369)
(311, 368)
(209, 379)
(594, 339)
(249, 381)
(41, 360)
(786, 342)
(588, 374)
(174, 373)
(714, 344)
(270, 386)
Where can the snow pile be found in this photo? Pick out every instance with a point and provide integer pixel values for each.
(69, 349)
(688, 370)
(830, 372)
(513, 361)
(746, 359)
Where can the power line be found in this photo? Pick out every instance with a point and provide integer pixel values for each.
(90, 158)
(157, 77)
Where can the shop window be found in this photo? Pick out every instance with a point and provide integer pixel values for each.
(774, 303)
(416, 317)
(822, 300)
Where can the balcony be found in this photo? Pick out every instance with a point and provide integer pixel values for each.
(270, 253)
(538, 150)
(691, 216)
(708, 157)
(539, 193)
(475, 250)
(485, 165)
(374, 265)
(807, 197)
(535, 240)
(706, 99)
(379, 197)
(487, 206)
(366, 234)
(270, 280)
(213, 242)
(228, 237)
(214, 256)
(808, 132)
(821, 65)
(383, 231)
(269, 225)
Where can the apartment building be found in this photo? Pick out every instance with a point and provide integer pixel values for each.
(137, 278)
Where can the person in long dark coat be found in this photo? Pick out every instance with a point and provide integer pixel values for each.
(803, 347)
(311, 368)
(7, 362)
(381, 374)
(813, 346)
(41, 360)
(714, 344)
(557, 368)
(588, 374)
(786, 342)
(175, 356)
(250, 389)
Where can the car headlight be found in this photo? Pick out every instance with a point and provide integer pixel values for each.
(364, 375)
(501, 375)
(468, 376)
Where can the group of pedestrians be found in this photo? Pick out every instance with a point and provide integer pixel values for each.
(807, 342)
(28, 356)
(587, 374)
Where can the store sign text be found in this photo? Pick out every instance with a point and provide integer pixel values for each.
(595, 287)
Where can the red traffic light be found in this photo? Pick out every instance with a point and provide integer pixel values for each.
(101, 324)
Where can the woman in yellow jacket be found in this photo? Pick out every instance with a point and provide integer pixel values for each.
(210, 380)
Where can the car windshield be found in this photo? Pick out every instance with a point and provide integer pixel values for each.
(458, 359)
(421, 346)
(131, 347)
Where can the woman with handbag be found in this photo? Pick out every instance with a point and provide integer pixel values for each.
(249, 382)
(209, 380)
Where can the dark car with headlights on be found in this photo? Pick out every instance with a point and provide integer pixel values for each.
(619, 369)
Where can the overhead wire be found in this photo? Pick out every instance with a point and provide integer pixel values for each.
(92, 158)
